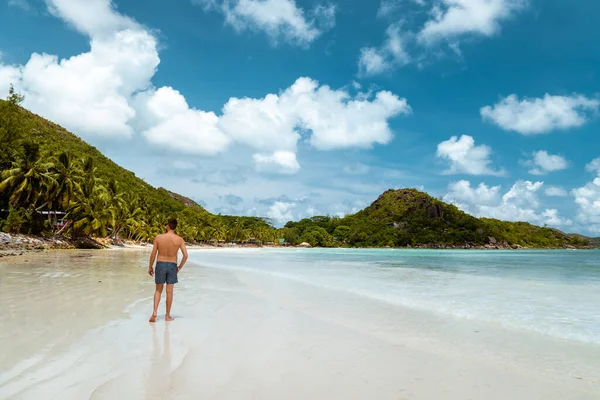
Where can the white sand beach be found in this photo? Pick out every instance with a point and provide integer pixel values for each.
(75, 325)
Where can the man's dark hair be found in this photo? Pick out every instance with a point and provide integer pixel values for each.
(172, 224)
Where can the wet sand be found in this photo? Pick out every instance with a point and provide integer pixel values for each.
(74, 326)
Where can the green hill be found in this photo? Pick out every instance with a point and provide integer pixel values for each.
(45, 167)
(593, 241)
(407, 217)
(54, 139)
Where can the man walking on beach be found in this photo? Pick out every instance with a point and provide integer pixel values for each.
(167, 245)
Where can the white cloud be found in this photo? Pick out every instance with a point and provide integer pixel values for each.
(555, 191)
(551, 218)
(277, 18)
(90, 93)
(298, 200)
(587, 199)
(391, 54)
(108, 92)
(448, 21)
(281, 162)
(338, 121)
(543, 163)
(465, 157)
(91, 17)
(594, 166)
(373, 61)
(388, 8)
(22, 4)
(311, 212)
(396, 46)
(540, 115)
(8, 75)
(461, 193)
(332, 119)
(281, 212)
(523, 194)
(520, 203)
(183, 129)
(338, 209)
(453, 18)
(267, 124)
(306, 204)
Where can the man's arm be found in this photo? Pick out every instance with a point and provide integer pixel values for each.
(153, 258)
(185, 255)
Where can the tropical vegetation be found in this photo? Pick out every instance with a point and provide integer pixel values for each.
(46, 171)
(408, 217)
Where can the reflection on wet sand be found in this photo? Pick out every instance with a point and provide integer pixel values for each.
(159, 378)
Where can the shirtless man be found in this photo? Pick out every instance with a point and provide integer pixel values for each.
(167, 245)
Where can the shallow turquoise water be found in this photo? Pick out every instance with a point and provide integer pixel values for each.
(554, 293)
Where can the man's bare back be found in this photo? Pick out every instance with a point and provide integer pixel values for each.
(166, 247)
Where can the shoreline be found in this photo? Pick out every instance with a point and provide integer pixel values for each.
(14, 245)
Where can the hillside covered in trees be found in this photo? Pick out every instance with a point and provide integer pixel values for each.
(407, 217)
(43, 167)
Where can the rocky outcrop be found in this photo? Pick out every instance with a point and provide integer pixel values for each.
(16, 244)
(435, 211)
(186, 201)
(397, 225)
(470, 246)
(86, 243)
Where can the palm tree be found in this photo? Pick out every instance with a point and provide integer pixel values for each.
(91, 214)
(219, 231)
(89, 176)
(188, 232)
(116, 204)
(246, 233)
(235, 231)
(93, 209)
(29, 178)
(128, 218)
(151, 227)
(207, 233)
(258, 233)
(68, 176)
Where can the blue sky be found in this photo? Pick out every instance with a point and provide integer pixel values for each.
(288, 109)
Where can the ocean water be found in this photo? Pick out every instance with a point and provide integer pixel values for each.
(554, 293)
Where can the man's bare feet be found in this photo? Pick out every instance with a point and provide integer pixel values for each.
(169, 318)
(153, 318)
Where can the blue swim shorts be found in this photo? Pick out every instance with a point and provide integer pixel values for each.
(165, 272)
